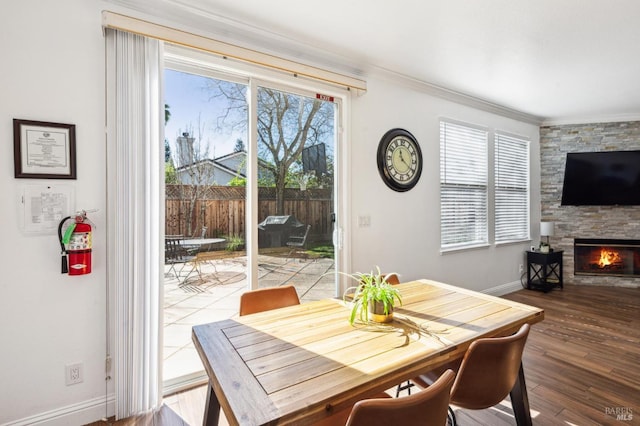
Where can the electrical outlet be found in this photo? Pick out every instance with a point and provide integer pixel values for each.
(364, 221)
(73, 374)
(521, 268)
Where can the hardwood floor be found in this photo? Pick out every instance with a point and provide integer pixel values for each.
(581, 365)
(582, 361)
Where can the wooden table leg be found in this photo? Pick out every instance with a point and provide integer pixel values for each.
(212, 409)
(520, 400)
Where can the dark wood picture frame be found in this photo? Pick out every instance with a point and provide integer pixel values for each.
(43, 150)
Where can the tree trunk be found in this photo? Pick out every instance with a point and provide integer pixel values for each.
(280, 185)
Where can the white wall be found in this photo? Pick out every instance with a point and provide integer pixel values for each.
(53, 70)
(404, 235)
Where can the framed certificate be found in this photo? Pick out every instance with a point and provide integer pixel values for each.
(44, 150)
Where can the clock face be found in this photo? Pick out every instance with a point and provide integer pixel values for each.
(399, 160)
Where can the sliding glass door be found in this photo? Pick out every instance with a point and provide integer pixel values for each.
(249, 197)
(205, 209)
(296, 213)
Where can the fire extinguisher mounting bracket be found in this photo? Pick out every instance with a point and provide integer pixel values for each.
(67, 233)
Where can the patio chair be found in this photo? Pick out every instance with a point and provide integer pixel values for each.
(425, 408)
(175, 253)
(297, 243)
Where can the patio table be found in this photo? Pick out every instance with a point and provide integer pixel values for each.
(200, 242)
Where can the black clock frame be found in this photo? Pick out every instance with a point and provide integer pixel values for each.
(382, 164)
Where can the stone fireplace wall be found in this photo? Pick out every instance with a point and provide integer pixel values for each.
(585, 221)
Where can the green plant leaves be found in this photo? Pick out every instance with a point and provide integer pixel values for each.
(372, 287)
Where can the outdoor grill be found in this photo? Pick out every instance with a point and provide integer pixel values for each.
(274, 231)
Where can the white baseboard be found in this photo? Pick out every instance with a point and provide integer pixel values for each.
(76, 414)
(503, 289)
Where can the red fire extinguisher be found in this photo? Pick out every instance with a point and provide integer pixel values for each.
(76, 243)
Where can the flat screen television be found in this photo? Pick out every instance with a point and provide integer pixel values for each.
(602, 179)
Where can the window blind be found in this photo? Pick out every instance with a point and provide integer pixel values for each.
(511, 188)
(135, 169)
(463, 186)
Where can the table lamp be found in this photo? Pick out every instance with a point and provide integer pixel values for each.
(546, 230)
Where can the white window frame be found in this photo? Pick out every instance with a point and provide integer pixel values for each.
(464, 186)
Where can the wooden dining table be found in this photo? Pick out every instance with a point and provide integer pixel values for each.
(300, 364)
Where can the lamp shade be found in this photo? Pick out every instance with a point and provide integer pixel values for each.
(546, 229)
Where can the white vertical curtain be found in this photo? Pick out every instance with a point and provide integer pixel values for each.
(135, 217)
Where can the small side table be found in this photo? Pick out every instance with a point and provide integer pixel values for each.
(544, 270)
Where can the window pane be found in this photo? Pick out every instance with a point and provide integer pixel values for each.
(296, 149)
(463, 186)
(205, 258)
(511, 188)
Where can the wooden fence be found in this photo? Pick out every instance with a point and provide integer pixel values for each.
(222, 209)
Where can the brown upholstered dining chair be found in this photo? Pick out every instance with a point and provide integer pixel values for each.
(424, 408)
(487, 372)
(392, 279)
(265, 299)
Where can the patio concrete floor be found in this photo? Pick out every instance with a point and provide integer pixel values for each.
(217, 296)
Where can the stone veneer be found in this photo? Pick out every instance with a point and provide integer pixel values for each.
(585, 221)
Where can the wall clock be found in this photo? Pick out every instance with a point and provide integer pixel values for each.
(399, 160)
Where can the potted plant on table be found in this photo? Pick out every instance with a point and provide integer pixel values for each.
(372, 296)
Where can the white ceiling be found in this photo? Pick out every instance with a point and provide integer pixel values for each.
(559, 60)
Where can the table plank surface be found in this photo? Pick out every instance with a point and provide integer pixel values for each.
(301, 363)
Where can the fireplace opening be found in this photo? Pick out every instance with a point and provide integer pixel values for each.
(607, 257)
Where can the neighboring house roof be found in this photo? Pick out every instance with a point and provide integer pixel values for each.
(236, 154)
(238, 158)
(229, 165)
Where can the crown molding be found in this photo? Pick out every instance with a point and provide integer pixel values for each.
(615, 118)
(454, 96)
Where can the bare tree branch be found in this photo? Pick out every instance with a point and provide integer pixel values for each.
(286, 124)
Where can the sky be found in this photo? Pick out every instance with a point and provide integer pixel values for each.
(187, 98)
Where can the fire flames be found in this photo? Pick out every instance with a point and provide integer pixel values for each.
(608, 257)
